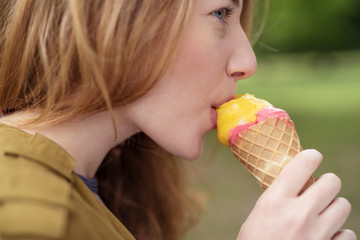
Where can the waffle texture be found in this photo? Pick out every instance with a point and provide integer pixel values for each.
(266, 147)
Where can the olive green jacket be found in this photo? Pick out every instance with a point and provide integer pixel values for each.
(42, 198)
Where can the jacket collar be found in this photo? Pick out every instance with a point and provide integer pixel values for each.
(37, 148)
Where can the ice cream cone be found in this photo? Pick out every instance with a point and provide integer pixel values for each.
(266, 147)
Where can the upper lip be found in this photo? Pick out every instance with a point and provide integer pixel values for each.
(218, 104)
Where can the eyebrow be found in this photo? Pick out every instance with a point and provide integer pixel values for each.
(236, 2)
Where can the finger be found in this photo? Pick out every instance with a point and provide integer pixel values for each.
(294, 175)
(335, 215)
(323, 191)
(345, 234)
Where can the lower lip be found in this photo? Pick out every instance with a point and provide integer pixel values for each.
(213, 117)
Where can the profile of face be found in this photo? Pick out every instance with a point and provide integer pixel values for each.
(213, 54)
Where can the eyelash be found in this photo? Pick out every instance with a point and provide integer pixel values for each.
(227, 11)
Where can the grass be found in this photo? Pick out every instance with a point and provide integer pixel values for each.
(322, 95)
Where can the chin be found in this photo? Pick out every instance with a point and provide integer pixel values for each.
(185, 146)
(191, 158)
(190, 152)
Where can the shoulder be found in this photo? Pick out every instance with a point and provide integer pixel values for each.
(41, 197)
(34, 199)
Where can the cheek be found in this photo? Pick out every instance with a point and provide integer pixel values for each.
(173, 120)
(202, 61)
(196, 74)
(183, 97)
(200, 56)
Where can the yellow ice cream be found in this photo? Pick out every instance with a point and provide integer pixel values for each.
(241, 110)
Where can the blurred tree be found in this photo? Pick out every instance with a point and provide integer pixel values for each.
(307, 25)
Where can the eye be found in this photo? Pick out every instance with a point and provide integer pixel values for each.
(220, 14)
(223, 13)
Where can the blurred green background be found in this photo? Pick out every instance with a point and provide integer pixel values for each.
(309, 65)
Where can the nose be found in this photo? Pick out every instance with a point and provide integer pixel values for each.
(242, 61)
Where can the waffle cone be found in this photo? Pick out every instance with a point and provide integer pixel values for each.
(266, 147)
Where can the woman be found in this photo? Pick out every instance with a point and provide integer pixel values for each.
(107, 93)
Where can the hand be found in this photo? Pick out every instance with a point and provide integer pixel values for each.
(282, 214)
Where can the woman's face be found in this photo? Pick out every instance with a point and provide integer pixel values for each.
(213, 54)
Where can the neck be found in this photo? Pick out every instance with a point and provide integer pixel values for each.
(88, 139)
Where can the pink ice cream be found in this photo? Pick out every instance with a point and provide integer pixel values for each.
(237, 115)
(267, 112)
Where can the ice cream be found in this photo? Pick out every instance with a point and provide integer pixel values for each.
(236, 116)
(262, 137)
